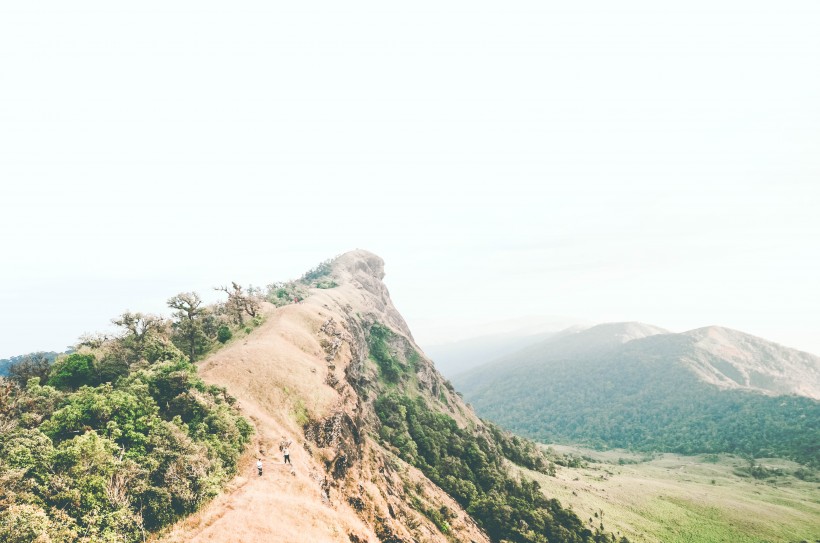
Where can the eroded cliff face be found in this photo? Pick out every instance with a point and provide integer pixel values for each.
(306, 376)
(386, 493)
(359, 275)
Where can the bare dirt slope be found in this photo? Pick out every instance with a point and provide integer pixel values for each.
(292, 377)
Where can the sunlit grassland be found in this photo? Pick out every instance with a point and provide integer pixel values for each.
(682, 499)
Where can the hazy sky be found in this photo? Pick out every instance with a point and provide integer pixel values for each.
(650, 161)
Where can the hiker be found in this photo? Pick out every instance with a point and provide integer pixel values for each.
(284, 443)
(286, 452)
(259, 466)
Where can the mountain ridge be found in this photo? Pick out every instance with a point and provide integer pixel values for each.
(313, 350)
(340, 373)
(755, 363)
(722, 356)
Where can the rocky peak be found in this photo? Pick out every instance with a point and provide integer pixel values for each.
(360, 263)
(359, 274)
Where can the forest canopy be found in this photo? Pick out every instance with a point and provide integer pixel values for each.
(120, 437)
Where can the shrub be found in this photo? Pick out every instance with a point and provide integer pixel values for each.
(29, 523)
(223, 334)
(281, 294)
(321, 270)
(378, 343)
(112, 459)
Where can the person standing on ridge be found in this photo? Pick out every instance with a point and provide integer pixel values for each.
(286, 452)
(259, 466)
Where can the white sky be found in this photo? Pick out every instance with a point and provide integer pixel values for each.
(637, 162)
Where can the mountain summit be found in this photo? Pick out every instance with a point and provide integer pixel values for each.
(383, 449)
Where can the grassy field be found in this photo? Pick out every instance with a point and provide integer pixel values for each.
(682, 499)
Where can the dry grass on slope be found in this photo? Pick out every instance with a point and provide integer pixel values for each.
(279, 367)
(277, 375)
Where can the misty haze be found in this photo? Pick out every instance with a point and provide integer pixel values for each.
(360, 272)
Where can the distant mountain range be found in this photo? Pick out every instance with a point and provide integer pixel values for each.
(463, 355)
(635, 385)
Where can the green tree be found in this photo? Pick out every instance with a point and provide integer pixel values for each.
(189, 334)
(27, 523)
(73, 371)
(470, 467)
(107, 462)
(110, 368)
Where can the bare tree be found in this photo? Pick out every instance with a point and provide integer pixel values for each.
(239, 303)
(92, 340)
(138, 327)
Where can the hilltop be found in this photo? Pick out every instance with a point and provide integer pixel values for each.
(732, 359)
(296, 378)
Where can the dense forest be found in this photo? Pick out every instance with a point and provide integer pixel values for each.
(633, 399)
(468, 463)
(120, 437)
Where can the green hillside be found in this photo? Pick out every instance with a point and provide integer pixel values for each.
(469, 463)
(638, 396)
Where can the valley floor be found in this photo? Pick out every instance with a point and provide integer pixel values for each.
(681, 499)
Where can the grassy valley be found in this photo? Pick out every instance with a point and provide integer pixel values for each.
(685, 442)
(671, 498)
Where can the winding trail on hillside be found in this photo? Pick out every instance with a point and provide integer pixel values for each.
(304, 374)
(285, 504)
